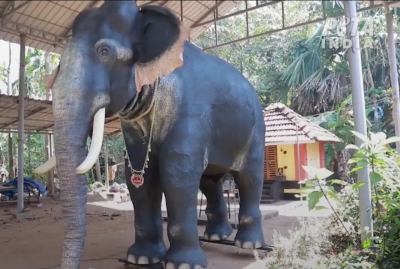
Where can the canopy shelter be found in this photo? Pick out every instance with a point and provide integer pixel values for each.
(38, 116)
(46, 25)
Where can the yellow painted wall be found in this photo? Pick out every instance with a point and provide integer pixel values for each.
(313, 155)
(287, 160)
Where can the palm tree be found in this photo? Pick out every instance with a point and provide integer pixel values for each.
(315, 80)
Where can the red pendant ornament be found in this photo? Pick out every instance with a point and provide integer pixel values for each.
(137, 180)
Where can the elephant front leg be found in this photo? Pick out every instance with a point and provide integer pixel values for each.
(218, 226)
(180, 173)
(149, 246)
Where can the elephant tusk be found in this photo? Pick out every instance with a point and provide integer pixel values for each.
(47, 166)
(97, 141)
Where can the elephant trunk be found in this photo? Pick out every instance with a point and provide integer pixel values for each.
(74, 110)
(73, 188)
(73, 200)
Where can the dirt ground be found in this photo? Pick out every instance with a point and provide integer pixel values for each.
(37, 243)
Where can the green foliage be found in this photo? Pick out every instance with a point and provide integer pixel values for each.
(259, 59)
(382, 247)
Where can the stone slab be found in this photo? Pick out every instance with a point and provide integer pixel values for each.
(23, 215)
(255, 265)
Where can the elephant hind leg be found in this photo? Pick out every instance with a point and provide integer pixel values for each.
(218, 227)
(249, 181)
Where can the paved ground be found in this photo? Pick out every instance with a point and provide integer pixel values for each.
(37, 243)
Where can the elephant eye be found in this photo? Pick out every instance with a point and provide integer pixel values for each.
(104, 51)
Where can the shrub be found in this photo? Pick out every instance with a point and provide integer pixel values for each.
(336, 242)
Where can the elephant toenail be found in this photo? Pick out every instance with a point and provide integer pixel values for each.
(238, 243)
(215, 237)
(143, 260)
(184, 266)
(131, 258)
(169, 265)
(248, 245)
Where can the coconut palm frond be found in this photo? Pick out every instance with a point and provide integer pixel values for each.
(314, 41)
(306, 94)
(301, 68)
(331, 91)
(322, 91)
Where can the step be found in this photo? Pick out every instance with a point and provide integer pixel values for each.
(265, 197)
(266, 201)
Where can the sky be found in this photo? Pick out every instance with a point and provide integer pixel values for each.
(14, 70)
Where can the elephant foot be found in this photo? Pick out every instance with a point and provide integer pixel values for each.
(217, 231)
(146, 253)
(186, 258)
(250, 235)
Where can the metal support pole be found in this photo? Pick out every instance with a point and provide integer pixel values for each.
(21, 125)
(106, 162)
(360, 125)
(393, 73)
(51, 154)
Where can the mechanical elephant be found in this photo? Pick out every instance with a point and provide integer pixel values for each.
(187, 119)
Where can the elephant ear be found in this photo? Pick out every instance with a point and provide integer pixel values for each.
(160, 49)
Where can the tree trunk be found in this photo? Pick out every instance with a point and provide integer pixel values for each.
(98, 171)
(50, 174)
(343, 167)
(10, 140)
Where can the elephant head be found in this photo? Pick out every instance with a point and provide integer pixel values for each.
(114, 50)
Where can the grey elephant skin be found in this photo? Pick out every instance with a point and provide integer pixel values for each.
(201, 118)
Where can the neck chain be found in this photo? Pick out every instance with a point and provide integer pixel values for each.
(137, 178)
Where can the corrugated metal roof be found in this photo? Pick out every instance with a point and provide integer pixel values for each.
(47, 24)
(38, 116)
(280, 127)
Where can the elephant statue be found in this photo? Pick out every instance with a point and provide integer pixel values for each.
(187, 119)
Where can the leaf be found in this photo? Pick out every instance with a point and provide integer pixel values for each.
(313, 199)
(377, 138)
(390, 140)
(338, 181)
(366, 243)
(320, 207)
(374, 177)
(360, 136)
(332, 194)
(362, 163)
(357, 185)
(317, 173)
(351, 146)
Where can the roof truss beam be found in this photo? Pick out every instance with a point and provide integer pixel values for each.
(27, 115)
(12, 8)
(31, 32)
(283, 26)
